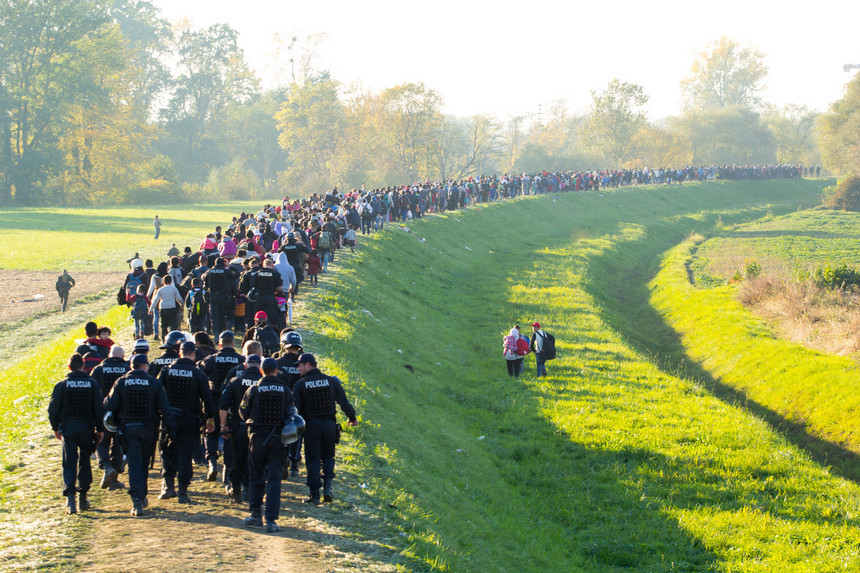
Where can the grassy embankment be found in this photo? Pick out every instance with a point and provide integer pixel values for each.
(612, 462)
(812, 395)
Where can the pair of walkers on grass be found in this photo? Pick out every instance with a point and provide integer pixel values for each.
(516, 346)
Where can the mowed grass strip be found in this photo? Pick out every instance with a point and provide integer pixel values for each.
(97, 239)
(611, 463)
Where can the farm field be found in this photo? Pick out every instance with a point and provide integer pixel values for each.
(634, 454)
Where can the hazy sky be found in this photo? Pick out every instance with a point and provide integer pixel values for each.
(508, 58)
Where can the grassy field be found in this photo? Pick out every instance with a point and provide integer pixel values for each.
(793, 242)
(104, 239)
(629, 456)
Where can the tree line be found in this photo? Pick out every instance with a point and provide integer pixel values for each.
(105, 101)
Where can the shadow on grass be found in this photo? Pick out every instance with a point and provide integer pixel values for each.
(630, 310)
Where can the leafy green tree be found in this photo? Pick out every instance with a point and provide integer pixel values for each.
(43, 72)
(726, 135)
(615, 118)
(840, 132)
(795, 130)
(726, 74)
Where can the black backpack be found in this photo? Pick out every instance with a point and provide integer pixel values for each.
(198, 303)
(268, 339)
(548, 348)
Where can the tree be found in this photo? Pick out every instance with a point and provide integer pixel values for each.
(725, 136)
(42, 74)
(310, 124)
(840, 132)
(465, 147)
(213, 75)
(795, 132)
(727, 74)
(616, 116)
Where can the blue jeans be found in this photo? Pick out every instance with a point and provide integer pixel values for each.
(541, 365)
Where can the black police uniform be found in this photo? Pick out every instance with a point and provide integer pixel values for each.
(76, 411)
(186, 386)
(169, 357)
(294, 249)
(106, 374)
(222, 297)
(289, 371)
(264, 409)
(265, 281)
(139, 402)
(315, 395)
(237, 443)
(216, 367)
(246, 281)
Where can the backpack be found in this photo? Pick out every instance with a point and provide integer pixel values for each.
(131, 289)
(139, 309)
(548, 347)
(522, 346)
(198, 303)
(268, 339)
(324, 241)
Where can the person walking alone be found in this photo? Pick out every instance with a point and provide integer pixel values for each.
(157, 224)
(65, 282)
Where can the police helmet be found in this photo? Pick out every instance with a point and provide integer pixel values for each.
(110, 422)
(291, 338)
(289, 433)
(293, 414)
(173, 340)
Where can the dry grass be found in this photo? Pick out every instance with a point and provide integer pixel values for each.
(823, 319)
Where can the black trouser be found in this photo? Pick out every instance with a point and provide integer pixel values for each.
(137, 441)
(515, 367)
(77, 448)
(169, 318)
(319, 440)
(177, 454)
(109, 452)
(294, 450)
(221, 310)
(238, 445)
(265, 472)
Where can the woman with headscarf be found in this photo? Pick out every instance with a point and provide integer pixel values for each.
(512, 359)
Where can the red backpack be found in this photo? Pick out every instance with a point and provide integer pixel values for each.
(522, 346)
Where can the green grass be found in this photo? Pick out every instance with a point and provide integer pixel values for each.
(104, 239)
(613, 462)
(629, 456)
(796, 241)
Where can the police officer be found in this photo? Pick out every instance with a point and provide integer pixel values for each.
(295, 249)
(316, 395)
(186, 386)
(216, 367)
(265, 281)
(137, 403)
(291, 348)
(75, 413)
(109, 452)
(265, 408)
(233, 428)
(171, 352)
(221, 285)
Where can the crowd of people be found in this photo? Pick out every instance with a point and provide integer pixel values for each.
(258, 409)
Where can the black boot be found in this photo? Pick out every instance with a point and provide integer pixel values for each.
(136, 506)
(109, 477)
(313, 498)
(294, 469)
(255, 519)
(71, 508)
(182, 497)
(167, 491)
(327, 497)
(83, 502)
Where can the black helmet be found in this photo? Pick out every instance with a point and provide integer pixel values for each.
(294, 427)
(291, 338)
(173, 340)
(110, 422)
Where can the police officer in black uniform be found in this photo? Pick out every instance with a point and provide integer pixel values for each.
(265, 408)
(233, 427)
(315, 395)
(216, 367)
(171, 352)
(265, 281)
(186, 386)
(291, 348)
(75, 412)
(137, 403)
(219, 282)
(109, 451)
(294, 249)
